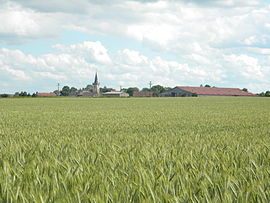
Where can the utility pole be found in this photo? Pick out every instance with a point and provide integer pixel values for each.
(150, 84)
(58, 93)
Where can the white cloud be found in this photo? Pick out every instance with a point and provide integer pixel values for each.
(49, 75)
(161, 24)
(126, 67)
(132, 57)
(95, 50)
(21, 25)
(15, 74)
(263, 51)
(249, 67)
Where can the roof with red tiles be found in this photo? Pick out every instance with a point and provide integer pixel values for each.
(216, 91)
(46, 95)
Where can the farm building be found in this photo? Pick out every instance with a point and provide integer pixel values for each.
(45, 94)
(115, 94)
(205, 91)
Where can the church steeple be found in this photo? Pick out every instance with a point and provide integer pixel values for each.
(96, 86)
(96, 79)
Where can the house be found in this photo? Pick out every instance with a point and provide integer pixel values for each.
(115, 94)
(184, 91)
(143, 94)
(46, 94)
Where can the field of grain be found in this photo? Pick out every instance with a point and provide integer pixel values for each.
(135, 150)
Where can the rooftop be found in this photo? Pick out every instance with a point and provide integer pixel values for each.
(216, 91)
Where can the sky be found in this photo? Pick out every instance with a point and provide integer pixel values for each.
(223, 43)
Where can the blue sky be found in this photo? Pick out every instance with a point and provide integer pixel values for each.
(224, 43)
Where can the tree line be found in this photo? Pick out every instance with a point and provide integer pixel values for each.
(68, 91)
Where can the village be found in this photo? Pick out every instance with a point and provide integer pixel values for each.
(95, 90)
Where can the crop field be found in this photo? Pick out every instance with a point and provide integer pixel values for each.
(135, 150)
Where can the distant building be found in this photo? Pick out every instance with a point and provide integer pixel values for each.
(45, 94)
(96, 86)
(88, 93)
(182, 91)
(84, 93)
(115, 94)
(143, 94)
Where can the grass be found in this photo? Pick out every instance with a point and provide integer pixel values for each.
(135, 150)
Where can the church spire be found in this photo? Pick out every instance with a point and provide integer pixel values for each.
(96, 86)
(96, 79)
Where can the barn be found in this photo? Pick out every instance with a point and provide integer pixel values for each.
(186, 91)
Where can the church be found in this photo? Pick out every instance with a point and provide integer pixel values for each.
(95, 91)
(96, 87)
(88, 93)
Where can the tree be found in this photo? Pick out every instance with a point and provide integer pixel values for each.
(17, 94)
(207, 85)
(157, 89)
(131, 90)
(65, 91)
(106, 89)
(4, 95)
(266, 94)
(72, 90)
(88, 88)
(167, 88)
(23, 94)
(124, 90)
(56, 92)
(245, 89)
(145, 89)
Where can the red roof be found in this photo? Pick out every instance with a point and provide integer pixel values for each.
(216, 91)
(46, 95)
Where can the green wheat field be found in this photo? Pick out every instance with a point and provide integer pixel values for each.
(135, 150)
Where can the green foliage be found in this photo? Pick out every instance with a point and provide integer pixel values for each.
(89, 88)
(73, 89)
(106, 89)
(265, 94)
(22, 94)
(124, 90)
(245, 89)
(157, 89)
(131, 90)
(56, 92)
(145, 89)
(135, 150)
(65, 91)
(4, 95)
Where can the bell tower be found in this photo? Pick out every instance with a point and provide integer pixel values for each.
(96, 86)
